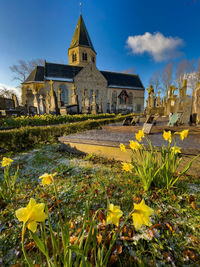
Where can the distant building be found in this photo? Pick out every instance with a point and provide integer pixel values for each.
(53, 88)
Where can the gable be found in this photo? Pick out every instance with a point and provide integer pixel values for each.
(90, 74)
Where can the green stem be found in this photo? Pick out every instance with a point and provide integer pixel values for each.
(114, 240)
(23, 249)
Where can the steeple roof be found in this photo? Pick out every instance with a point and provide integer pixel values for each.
(81, 36)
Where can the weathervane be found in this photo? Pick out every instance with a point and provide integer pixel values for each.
(80, 7)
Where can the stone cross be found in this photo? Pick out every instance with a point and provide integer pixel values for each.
(51, 84)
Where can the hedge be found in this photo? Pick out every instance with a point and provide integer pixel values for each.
(28, 137)
(48, 119)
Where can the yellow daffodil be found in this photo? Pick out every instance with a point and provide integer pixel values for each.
(183, 134)
(6, 162)
(141, 215)
(122, 147)
(114, 214)
(176, 149)
(31, 214)
(134, 145)
(139, 135)
(127, 167)
(167, 136)
(47, 179)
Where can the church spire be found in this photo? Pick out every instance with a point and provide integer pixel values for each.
(81, 50)
(81, 36)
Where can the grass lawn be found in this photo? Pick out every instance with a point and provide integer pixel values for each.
(173, 239)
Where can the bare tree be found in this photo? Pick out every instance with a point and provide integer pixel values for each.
(155, 81)
(192, 75)
(181, 72)
(5, 92)
(167, 77)
(24, 68)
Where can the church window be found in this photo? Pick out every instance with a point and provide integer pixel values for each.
(93, 59)
(130, 98)
(114, 97)
(64, 95)
(97, 94)
(123, 97)
(84, 56)
(138, 107)
(74, 57)
(91, 93)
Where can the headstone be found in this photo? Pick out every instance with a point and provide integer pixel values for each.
(135, 120)
(72, 109)
(173, 120)
(149, 119)
(127, 121)
(32, 110)
(187, 110)
(147, 128)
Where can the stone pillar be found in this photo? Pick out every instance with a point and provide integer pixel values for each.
(16, 103)
(158, 102)
(94, 106)
(74, 96)
(47, 102)
(52, 98)
(41, 105)
(23, 95)
(59, 98)
(184, 88)
(35, 102)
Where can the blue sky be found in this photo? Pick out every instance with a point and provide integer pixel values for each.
(131, 34)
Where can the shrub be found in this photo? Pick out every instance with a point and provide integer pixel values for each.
(48, 119)
(27, 137)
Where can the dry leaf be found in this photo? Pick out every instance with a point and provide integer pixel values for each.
(119, 249)
(99, 239)
(193, 205)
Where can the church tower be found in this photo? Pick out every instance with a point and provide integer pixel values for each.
(81, 50)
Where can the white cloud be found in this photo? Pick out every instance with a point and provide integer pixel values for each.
(161, 48)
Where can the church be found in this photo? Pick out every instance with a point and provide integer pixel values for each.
(81, 87)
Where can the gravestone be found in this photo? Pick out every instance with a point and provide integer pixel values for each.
(173, 120)
(147, 128)
(187, 110)
(127, 121)
(72, 109)
(6, 103)
(149, 119)
(135, 120)
(32, 110)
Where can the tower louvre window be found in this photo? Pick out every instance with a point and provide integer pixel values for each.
(84, 56)
(74, 57)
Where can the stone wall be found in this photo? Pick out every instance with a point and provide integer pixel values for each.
(90, 78)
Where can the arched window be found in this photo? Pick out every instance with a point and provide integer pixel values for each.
(84, 56)
(130, 98)
(97, 95)
(64, 96)
(123, 96)
(93, 59)
(114, 97)
(74, 57)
